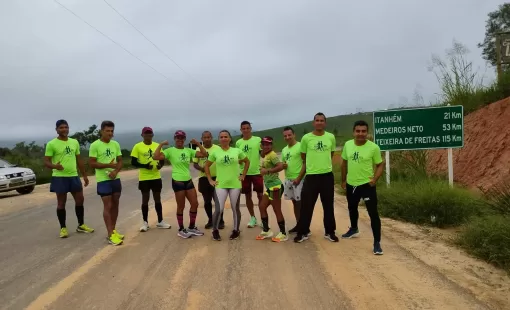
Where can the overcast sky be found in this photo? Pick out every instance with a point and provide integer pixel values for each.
(270, 62)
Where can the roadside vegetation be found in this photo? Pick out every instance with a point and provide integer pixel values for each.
(417, 196)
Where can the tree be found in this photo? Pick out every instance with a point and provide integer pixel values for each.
(498, 21)
(86, 137)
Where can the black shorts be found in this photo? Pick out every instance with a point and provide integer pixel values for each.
(178, 186)
(64, 185)
(204, 186)
(148, 185)
(108, 188)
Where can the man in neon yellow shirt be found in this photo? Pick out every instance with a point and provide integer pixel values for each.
(251, 147)
(62, 155)
(294, 172)
(360, 155)
(105, 157)
(149, 177)
(317, 150)
(206, 189)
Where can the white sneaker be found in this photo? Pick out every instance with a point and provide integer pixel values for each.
(164, 225)
(145, 227)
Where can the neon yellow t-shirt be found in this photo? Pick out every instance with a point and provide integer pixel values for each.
(292, 156)
(63, 152)
(269, 162)
(104, 154)
(180, 160)
(360, 161)
(201, 161)
(251, 148)
(227, 166)
(318, 152)
(144, 153)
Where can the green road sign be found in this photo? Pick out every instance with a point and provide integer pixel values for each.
(420, 128)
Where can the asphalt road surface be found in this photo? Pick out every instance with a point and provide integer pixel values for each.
(159, 270)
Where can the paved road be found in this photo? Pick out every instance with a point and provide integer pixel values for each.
(158, 270)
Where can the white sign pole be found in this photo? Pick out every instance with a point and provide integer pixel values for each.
(450, 167)
(387, 159)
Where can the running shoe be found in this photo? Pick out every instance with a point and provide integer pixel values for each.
(377, 248)
(216, 235)
(144, 227)
(264, 235)
(195, 231)
(63, 232)
(300, 237)
(280, 237)
(253, 222)
(235, 234)
(351, 233)
(114, 240)
(120, 236)
(331, 237)
(84, 229)
(163, 225)
(183, 233)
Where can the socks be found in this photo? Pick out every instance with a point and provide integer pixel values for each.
(145, 212)
(159, 211)
(282, 227)
(192, 219)
(221, 218)
(80, 213)
(265, 223)
(180, 221)
(61, 214)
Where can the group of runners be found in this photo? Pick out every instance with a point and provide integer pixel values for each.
(226, 171)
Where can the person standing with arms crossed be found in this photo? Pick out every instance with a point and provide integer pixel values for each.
(180, 158)
(149, 177)
(62, 155)
(105, 157)
(358, 179)
(228, 181)
(294, 172)
(206, 189)
(317, 150)
(251, 147)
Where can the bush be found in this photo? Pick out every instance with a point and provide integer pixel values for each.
(429, 202)
(498, 198)
(488, 238)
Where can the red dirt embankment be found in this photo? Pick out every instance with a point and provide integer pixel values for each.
(485, 158)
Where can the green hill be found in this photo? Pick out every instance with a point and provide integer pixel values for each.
(340, 125)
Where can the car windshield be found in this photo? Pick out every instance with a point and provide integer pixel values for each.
(5, 164)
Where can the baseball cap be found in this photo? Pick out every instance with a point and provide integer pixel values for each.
(267, 139)
(147, 129)
(180, 133)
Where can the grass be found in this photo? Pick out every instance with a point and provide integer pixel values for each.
(488, 238)
(429, 202)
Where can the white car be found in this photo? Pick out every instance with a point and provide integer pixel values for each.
(16, 178)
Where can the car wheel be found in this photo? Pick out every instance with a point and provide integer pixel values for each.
(25, 190)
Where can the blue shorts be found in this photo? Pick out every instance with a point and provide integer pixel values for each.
(64, 185)
(107, 188)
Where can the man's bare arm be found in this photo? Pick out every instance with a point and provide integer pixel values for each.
(197, 166)
(95, 165)
(379, 168)
(344, 170)
(81, 166)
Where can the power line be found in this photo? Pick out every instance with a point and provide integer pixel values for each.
(112, 40)
(120, 45)
(157, 47)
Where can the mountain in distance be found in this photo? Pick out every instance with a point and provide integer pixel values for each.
(126, 139)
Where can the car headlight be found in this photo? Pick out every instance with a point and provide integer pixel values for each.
(2, 177)
(28, 172)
